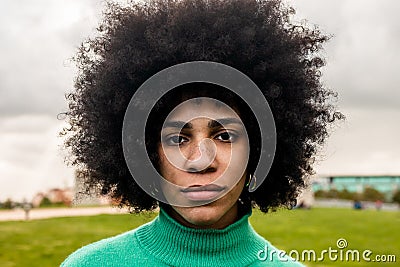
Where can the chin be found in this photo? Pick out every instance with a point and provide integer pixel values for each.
(202, 213)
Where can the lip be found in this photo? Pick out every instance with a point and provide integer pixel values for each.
(202, 192)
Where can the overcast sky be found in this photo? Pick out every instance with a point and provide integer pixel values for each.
(38, 38)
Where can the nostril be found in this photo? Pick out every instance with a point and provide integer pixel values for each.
(192, 170)
(206, 170)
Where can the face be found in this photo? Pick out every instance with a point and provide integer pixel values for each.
(204, 153)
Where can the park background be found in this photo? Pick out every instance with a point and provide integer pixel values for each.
(38, 38)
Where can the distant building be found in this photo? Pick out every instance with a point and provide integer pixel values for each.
(386, 184)
(55, 195)
(37, 199)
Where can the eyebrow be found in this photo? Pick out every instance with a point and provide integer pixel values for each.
(178, 124)
(223, 121)
(211, 124)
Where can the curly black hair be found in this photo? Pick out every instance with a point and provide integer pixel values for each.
(256, 37)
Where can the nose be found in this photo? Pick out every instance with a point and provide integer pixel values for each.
(201, 156)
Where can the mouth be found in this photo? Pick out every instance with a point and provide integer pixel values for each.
(202, 192)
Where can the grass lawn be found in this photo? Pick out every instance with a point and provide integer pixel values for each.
(318, 229)
(48, 242)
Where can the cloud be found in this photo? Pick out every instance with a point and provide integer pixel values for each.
(363, 59)
(367, 143)
(38, 39)
(363, 63)
(31, 158)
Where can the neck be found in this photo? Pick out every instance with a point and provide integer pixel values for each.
(178, 245)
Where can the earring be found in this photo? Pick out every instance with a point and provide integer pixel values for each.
(252, 183)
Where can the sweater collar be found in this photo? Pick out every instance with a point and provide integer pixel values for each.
(178, 245)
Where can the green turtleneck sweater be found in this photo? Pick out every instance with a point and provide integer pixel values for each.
(165, 242)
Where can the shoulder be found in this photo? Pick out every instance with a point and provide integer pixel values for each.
(100, 252)
(113, 251)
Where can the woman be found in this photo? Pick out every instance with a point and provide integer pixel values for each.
(220, 139)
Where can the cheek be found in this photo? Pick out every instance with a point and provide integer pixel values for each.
(163, 163)
(239, 151)
(237, 190)
(223, 154)
(234, 193)
(168, 171)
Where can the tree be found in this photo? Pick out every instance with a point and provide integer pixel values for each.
(45, 202)
(396, 197)
(371, 194)
(8, 204)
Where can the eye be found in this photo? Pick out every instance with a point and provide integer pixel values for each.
(175, 140)
(226, 137)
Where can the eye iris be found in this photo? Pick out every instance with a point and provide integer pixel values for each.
(225, 136)
(177, 139)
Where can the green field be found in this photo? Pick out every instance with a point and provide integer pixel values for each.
(48, 242)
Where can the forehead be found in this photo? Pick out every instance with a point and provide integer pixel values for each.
(201, 107)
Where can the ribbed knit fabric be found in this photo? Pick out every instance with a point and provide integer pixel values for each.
(165, 242)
